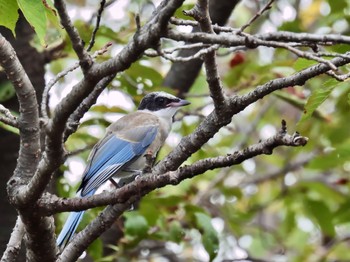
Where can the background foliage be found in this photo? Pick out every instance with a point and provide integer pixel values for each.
(292, 205)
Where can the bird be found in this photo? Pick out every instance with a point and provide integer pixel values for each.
(121, 154)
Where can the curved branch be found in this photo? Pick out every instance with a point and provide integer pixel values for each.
(39, 242)
(28, 121)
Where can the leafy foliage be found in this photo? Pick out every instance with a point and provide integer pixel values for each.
(35, 12)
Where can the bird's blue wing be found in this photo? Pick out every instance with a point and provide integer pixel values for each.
(114, 152)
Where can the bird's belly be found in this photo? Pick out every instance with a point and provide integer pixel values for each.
(130, 172)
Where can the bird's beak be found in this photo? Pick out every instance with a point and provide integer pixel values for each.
(181, 102)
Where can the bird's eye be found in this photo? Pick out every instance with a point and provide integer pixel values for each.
(161, 101)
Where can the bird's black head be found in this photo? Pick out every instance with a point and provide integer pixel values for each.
(160, 100)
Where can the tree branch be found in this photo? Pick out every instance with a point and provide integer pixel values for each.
(257, 15)
(7, 117)
(39, 230)
(183, 74)
(28, 122)
(14, 244)
(214, 121)
(200, 12)
(92, 231)
(147, 183)
(77, 43)
(73, 120)
(97, 26)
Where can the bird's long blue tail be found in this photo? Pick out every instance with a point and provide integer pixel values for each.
(71, 224)
(69, 228)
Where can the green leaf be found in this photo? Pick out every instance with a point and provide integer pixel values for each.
(303, 63)
(288, 222)
(9, 14)
(150, 211)
(96, 249)
(176, 232)
(179, 12)
(322, 215)
(323, 191)
(6, 91)
(298, 103)
(51, 15)
(317, 98)
(135, 225)
(336, 157)
(95, 121)
(140, 73)
(209, 235)
(342, 215)
(231, 191)
(35, 13)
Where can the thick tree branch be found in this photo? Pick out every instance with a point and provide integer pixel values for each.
(252, 41)
(99, 225)
(28, 121)
(283, 36)
(14, 244)
(39, 246)
(280, 36)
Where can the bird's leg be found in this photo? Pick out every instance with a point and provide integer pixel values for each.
(150, 159)
(114, 183)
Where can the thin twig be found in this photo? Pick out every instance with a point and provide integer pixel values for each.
(252, 40)
(73, 120)
(45, 98)
(256, 16)
(199, 54)
(97, 26)
(8, 118)
(80, 150)
(338, 77)
(78, 45)
(153, 53)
